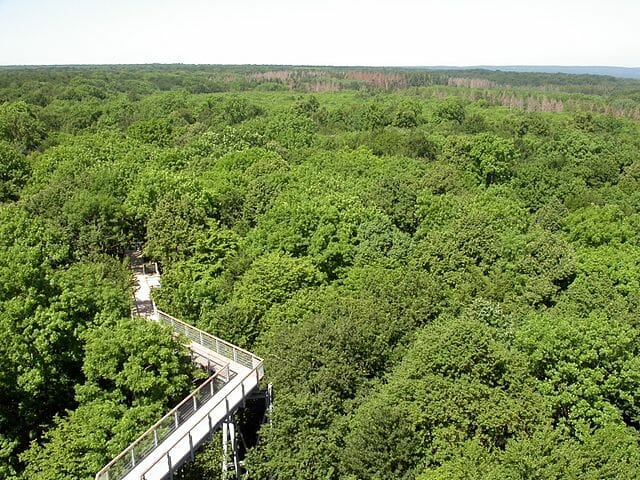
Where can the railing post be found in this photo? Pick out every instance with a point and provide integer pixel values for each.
(222, 348)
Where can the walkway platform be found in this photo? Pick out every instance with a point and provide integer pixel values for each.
(173, 440)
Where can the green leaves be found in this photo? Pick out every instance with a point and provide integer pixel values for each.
(134, 363)
(325, 349)
(19, 124)
(271, 279)
(134, 370)
(458, 381)
(493, 157)
(77, 446)
(548, 454)
(43, 316)
(451, 109)
(14, 171)
(584, 365)
(597, 225)
(443, 285)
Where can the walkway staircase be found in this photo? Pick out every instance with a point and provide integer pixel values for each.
(173, 440)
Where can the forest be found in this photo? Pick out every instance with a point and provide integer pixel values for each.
(441, 269)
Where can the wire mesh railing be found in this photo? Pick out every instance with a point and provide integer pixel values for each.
(256, 371)
(127, 460)
(154, 436)
(213, 343)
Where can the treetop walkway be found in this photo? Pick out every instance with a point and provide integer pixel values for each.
(173, 440)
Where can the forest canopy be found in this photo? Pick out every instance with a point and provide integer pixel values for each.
(441, 269)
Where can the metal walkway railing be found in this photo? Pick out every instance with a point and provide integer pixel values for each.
(211, 342)
(158, 452)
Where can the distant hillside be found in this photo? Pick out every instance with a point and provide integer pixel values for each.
(620, 72)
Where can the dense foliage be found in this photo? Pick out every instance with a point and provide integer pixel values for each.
(441, 269)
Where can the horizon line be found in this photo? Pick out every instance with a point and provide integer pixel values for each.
(475, 66)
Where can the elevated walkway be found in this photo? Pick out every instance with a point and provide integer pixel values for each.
(173, 440)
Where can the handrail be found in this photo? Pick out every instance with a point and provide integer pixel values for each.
(161, 430)
(213, 343)
(255, 370)
(178, 415)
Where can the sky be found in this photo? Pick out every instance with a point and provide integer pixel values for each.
(316, 32)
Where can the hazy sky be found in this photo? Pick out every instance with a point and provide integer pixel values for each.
(332, 32)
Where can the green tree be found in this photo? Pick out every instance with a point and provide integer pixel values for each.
(134, 371)
(324, 350)
(586, 366)
(198, 284)
(174, 225)
(548, 454)
(451, 109)
(19, 124)
(271, 279)
(14, 171)
(493, 157)
(459, 381)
